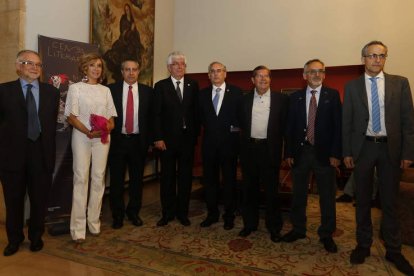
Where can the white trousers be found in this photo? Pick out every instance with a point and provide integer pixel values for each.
(84, 150)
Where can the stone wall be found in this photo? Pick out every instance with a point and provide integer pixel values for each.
(12, 25)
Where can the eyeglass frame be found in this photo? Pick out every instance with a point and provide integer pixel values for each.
(31, 64)
(313, 72)
(375, 56)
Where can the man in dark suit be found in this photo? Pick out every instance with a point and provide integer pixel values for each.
(220, 105)
(176, 128)
(264, 115)
(129, 143)
(378, 133)
(28, 116)
(313, 144)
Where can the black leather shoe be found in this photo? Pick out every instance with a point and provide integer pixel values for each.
(36, 245)
(400, 263)
(228, 224)
(208, 222)
(246, 232)
(11, 249)
(359, 254)
(292, 236)
(329, 245)
(117, 223)
(184, 221)
(163, 221)
(275, 236)
(136, 220)
(345, 198)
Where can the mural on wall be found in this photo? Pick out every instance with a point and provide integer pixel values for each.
(124, 29)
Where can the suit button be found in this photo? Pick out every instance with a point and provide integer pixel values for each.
(301, 144)
(304, 129)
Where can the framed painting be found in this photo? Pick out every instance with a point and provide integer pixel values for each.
(124, 29)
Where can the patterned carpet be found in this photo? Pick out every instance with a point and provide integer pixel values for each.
(178, 250)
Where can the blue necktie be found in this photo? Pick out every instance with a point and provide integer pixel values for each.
(33, 125)
(216, 99)
(376, 116)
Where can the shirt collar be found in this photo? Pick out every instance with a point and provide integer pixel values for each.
(380, 76)
(222, 87)
(309, 89)
(134, 85)
(23, 83)
(266, 94)
(175, 80)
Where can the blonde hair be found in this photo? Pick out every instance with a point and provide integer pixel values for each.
(88, 58)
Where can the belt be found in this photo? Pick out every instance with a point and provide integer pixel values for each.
(257, 140)
(377, 139)
(131, 135)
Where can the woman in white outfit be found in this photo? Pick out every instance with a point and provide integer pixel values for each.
(85, 98)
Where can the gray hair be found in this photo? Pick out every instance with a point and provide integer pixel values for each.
(217, 62)
(26, 51)
(364, 50)
(175, 55)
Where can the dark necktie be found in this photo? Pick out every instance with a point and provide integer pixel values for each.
(216, 99)
(376, 115)
(310, 135)
(129, 114)
(33, 125)
(178, 90)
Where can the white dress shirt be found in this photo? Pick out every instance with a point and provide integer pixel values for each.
(260, 115)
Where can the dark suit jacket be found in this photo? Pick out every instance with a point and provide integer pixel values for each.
(219, 130)
(169, 112)
(276, 125)
(399, 118)
(328, 140)
(145, 96)
(13, 125)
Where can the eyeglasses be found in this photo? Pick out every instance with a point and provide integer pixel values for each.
(375, 56)
(314, 72)
(176, 64)
(130, 70)
(218, 71)
(31, 64)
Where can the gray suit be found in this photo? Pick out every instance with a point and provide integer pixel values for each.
(385, 156)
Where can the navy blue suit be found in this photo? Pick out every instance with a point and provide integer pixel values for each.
(314, 158)
(220, 148)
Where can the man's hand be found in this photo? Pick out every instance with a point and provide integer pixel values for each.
(349, 162)
(334, 162)
(290, 162)
(405, 164)
(160, 145)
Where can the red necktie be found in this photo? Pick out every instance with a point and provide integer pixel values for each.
(310, 135)
(129, 116)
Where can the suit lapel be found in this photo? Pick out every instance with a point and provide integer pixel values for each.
(302, 107)
(20, 96)
(362, 87)
(249, 113)
(118, 101)
(225, 102)
(388, 87)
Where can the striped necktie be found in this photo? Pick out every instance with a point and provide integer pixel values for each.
(376, 114)
(310, 134)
